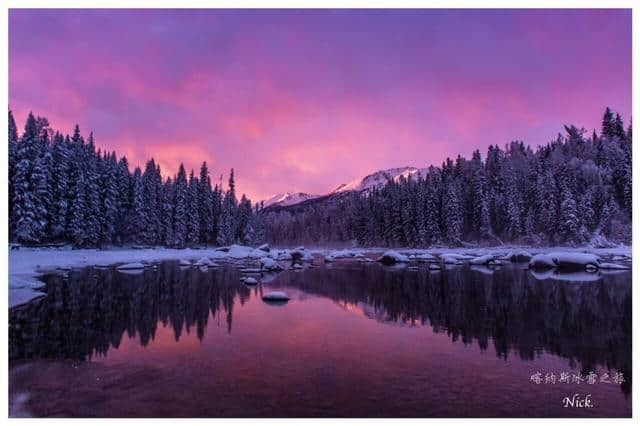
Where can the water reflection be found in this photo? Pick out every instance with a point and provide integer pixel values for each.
(518, 313)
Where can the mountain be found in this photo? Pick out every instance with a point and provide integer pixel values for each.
(379, 179)
(373, 180)
(288, 199)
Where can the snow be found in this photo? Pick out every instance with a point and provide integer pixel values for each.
(250, 281)
(298, 266)
(276, 296)
(185, 262)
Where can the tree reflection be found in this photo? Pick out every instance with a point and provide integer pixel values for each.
(89, 311)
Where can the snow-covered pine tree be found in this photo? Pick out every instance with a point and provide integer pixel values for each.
(151, 203)
(608, 125)
(193, 224)
(24, 202)
(13, 159)
(109, 199)
(93, 218)
(205, 205)
(138, 222)
(180, 226)
(168, 197)
(60, 201)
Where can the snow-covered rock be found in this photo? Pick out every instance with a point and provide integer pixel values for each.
(300, 253)
(391, 257)
(434, 267)
(130, 266)
(423, 257)
(454, 258)
(264, 247)
(185, 262)
(239, 252)
(482, 260)
(542, 261)
(520, 256)
(298, 266)
(565, 260)
(204, 261)
(268, 264)
(250, 281)
(276, 296)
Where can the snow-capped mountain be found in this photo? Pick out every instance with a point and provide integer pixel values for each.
(373, 180)
(379, 178)
(288, 199)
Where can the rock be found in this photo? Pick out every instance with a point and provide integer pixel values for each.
(276, 296)
(264, 247)
(434, 267)
(391, 257)
(298, 266)
(250, 281)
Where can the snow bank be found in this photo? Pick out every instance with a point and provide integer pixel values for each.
(391, 257)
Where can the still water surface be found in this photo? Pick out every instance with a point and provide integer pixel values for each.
(354, 340)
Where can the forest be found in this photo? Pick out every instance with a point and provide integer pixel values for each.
(574, 190)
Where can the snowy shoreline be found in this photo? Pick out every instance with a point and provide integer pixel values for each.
(28, 264)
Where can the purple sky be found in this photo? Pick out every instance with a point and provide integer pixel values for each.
(306, 100)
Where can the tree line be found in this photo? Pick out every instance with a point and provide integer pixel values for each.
(575, 189)
(63, 189)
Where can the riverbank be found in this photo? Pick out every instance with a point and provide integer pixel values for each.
(26, 265)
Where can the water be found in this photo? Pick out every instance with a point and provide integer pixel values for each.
(354, 340)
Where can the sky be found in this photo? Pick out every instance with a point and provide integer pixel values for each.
(307, 100)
